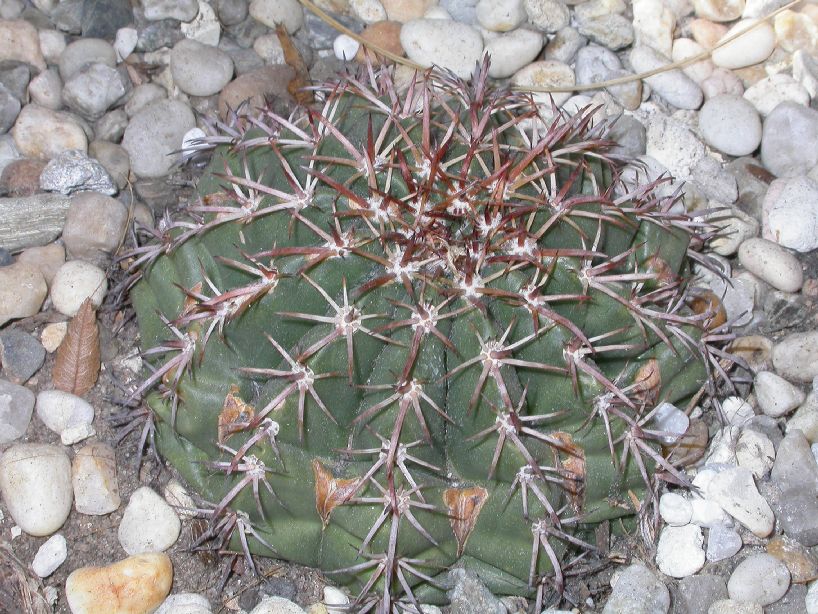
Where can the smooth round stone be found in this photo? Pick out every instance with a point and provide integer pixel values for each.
(511, 52)
(155, 134)
(335, 599)
(789, 213)
(755, 451)
(277, 605)
(673, 86)
(722, 543)
(137, 584)
(730, 606)
(74, 282)
(795, 357)
(19, 42)
(50, 556)
(771, 263)
(96, 489)
(685, 48)
(718, 10)
(94, 89)
(680, 551)
(722, 81)
(43, 133)
(546, 74)
(60, 410)
(675, 509)
(198, 69)
(22, 291)
(730, 124)
(35, 481)
(751, 48)
(142, 96)
(47, 258)
(766, 94)
(125, 42)
(760, 578)
(638, 591)
(46, 89)
(180, 10)
(776, 396)
(450, 45)
(84, 52)
(185, 603)
(368, 11)
(786, 129)
(501, 15)
(16, 407)
(271, 12)
(345, 47)
(548, 15)
(149, 524)
(735, 491)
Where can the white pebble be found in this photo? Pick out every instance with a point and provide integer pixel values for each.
(735, 490)
(148, 524)
(670, 421)
(276, 605)
(680, 551)
(96, 489)
(500, 15)
(511, 52)
(125, 42)
(722, 543)
(771, 263)
(737, 411)
(335, 599)
(767, 93)
(789, 213)
(760, 578)
(675, 509)
(345, 47)
(449, 44)
(185, 603)
(730, 124)
(75, 281)
(50, 556)
(750, 48)
(776, 396)
(61, 410)
(76, 434)
(755, 451)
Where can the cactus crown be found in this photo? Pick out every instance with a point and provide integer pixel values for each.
(407, 329)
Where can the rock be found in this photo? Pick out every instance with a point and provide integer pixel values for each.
(345, 47)
(800, 562)
(653, 24)
(730, 124)
(142, 96)
(22, 291)
(611, 31)
(185, 603)
(43, 133)
(95, 227)
(9, 109)
(154, 134)
(199, 70)
(67, 16)
(46, 89)
(547, 74)
(135, 584)
(83, 53)
(115, 160)
(751, 48)
(670, 422)
(111, 126)
(450, 45)
(407, 10)
(729, 606)
(675, 509)
(708, 514)
(760, 578)
(805, 72)
(60, 410)
(286, 12)
(47, 258)
(790, 213)
(383, 34)
(368, 11)
(673, 86)
(795, 357)
(35, 481)
(766, 94)
(73, 171)
(638, 591)
(21, 355)
(253, 88)
(125, 42)
(719, 10)
(776, 396)
(735, 228)
(52, 44)
(102, 18)
(511, 52)
(469, 594)
(50, 556)
(20, 42)
(22, 177)
(549, 16)
(795, 469)
(796, 516)
(149, 524)
(771, 263)
(501, 15)
(96, 490)
(735, 491)
(180, 10)
(93, 90)
(335, 599)
(16, 406)
(805, 419)
(722, 543)
(722, 450)
(755, 451)
(75, 281)
(277, 605)
(685, 49)
(788, 125)
(205, 28)
(697, 593)
(680, 552)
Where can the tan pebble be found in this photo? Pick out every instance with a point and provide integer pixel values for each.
(691, 447)
(384, 34)
(22, 177)
(22, 291)
(254, 87)
(719, 10)
(136, 585)
(795, 31)
(19, 41)
(803, 565)
(43, 133)
(406, 10)
(48, 258)
(706, 32)
(755, 350)
(52, 336)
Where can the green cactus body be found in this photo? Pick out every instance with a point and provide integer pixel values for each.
(410, 330)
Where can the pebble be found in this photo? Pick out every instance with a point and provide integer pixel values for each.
(801, 563)
(46, 89)
(42, 133)
(722, 543)
(638, 591)
(142, 96)
(149, 524)
(735, 228)
(718, 10)
(673, 86)
(730, 124)
(771, 263)
(125, 42)
(286, 12)
(133, 585)
(345, 47)
(805, 419)
(20, 42)
(198, 69)
(795, 357)
(785, 129)
(73, 171)
(75, 281)
(750, 48)
(797, 518)
(776, 396)
(368, 11)
(96, 489)
(795, 469)
(114, 158)
(730, 606)
(154, 134)
(612, 31)
(60, 410)
(670, 422)
(805, 71)
(205, 28)
(548, 15)
(680, 551)
(111, 126)
(277, 605)
(181, 10)
(790, 213)
(766, 94)
(407, 10)
(35, 481)
(760, 578)
(84, 52)
(501, 15)
(383, 34)
(16, 407)
(46, 258)
(185, 603)
(653, 24)
(469, 594)
(513, 51)
(697, 593)
(735, 491)
(22, 291)
(546, 73)
(21, 355)
(755, 451)
(95, 227)
(50, 556)
(9, 109)
(335, 599)
(686, 48)
(450, 45)
(95, 89)
(675, 509)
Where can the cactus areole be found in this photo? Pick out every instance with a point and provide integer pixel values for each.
(400, 331)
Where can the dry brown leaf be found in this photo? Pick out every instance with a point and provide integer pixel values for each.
(77, 364)
(302, 75)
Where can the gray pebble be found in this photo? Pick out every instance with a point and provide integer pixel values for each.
(630, 137)
(67, 16)
(795, 469)
(594, 64)
(155, 134)
(9, 109)
(111, 126)
(158, 34)
(673, 86)
(114, 158)
(84, 52)
(612, 31)
(786, 131)
(73, 171)
(94, 89)
(142, 96)
(638, 591)
(471, 595)
(695, 594)
(181, 10)
(94, 227)
(46, 89)
(199, 70)
(231, 12)
(565, 44)
(760, 578)
(730, 124)
(16, 407)
(15, 77)
(20, 354)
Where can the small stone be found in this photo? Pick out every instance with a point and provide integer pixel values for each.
(155, 134)
(736, 227)
(335, 599)
(501, 15)
(722, 543)
(564, 45)
(722, 449)
(345, 47)
(142, 96)
(125, 42)
(670, 422)
(286, 12)
(680, 551)
(795, 357)
(76, 434)
(719, 10)
(653, 24)
(795, 469)
(805, 419)
(205, 28)
(729, 606)
(83, 53)
(95, 227)
(22, 177)
(16, 407)
(22, 291)
(93, 90)
(111, 126)
(185, 603)
(722, 82)
(46, 89)
(277, 605)
(675, 509)
(760, 578)
(114, 158)
(755, 451)
(384, 34)
(50, 556)
(73, 171)
(805, 72)
(149, 524)
(19, 42)
(512, 51)
(253, 88)
(35, 481)
(43, 133)
(52, 44)
(697, 593)
(136, 584)
(796, 31)
(785, 128)
(766, 94)
(549, 16)
(469, 594)
(776, 396)
(60, 410)
(96, 490)
(730, 124)
(21, 355)
(685, 49)
(801, 563)
(180, 10)
(751, 48)
(673, 86)
(546, 74)
(407, 10)
(638, 591)
(179, 499)
(611, 31)
(790, 213)
(47, 258)
(450, 45)
(736, 492)
(771, 263)
(200, 70)
(9, 109)
(74, 282)
(368, 11)
(52, 335)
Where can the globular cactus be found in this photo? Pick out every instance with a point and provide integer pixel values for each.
(400, 331)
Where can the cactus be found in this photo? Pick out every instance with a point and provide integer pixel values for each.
(403, 330)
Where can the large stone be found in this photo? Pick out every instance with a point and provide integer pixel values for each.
(95, 89)
(795, 357)
(448, 44)
(789, 213)
(43, 133)
(198, 69)
(95, 227)
(96, 489)
(786, 129)
(155, 134)
(22, 291)
(16, 406)
(20, 42)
